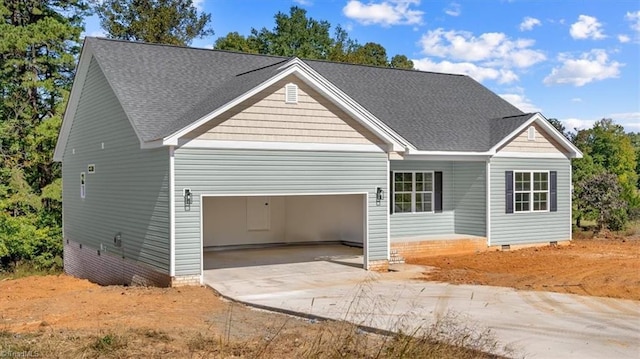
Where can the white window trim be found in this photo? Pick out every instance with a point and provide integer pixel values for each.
(414, 192)
(291, 89)
(531, 133)
(531, 191)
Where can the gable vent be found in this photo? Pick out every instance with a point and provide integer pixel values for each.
(291, 93)
(531, 134)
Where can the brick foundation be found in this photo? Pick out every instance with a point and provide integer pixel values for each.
(427, 248)
(514, 247)
(185, 280)
(109, 269)
(379, 265)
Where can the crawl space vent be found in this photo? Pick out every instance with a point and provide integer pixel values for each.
(291, 93)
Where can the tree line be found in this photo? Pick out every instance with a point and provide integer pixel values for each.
(40, 42)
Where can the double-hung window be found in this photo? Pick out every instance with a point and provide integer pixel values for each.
(531, 191)
(413, 192)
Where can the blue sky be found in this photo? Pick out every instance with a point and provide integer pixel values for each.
(578, 61)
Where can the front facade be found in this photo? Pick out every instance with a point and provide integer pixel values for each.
(280, 153)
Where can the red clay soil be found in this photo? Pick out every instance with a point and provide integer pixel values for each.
(597, 267)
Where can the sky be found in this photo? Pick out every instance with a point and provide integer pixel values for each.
(577, 61)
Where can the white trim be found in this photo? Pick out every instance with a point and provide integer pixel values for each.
(74, 98)
(91, 168)
(307, 75)
(388, 209)
(365, 240)
(83, 185)
(414, 192)
(531, 191)
(570, 201)
(442, 156)
(201, 204)
(531, 133)
(552, 131)
(488, 202)
(531, 155)
(151, 144)
(295, 146)
(172, 212)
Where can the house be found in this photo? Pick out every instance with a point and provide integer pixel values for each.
(170, 151)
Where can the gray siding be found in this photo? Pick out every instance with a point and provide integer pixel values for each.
(404, 225)
(127, 194)
(208, 171)
(535, 227)
(470, 198)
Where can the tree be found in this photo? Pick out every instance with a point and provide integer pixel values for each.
(401, 62)
(236, 42)
(559, 126)
(38, 49)
(173, 22)
(599, 196)
(606, 149)
(295, 35)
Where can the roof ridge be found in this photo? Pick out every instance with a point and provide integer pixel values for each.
(520, 115)
(261, 68)
(188, 47)
(384, 68)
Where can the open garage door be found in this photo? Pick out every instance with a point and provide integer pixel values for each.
(258, 230)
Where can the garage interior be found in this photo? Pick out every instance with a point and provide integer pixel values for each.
(241, 231)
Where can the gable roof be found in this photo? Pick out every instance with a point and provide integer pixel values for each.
(165, 89)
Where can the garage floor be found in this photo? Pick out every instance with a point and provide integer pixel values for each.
(336, 253)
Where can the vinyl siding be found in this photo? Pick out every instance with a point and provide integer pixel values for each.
(529, 227)
(244, 172)
(404, 225)
(266, 117)
(127, 194)
(470, 198)
(543, 143)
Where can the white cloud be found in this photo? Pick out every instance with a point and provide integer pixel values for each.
(495, 48)
(634, 18)
(479, 73)
(303, 2)
(385, 13)
(587, 27)
(630, 120)
(589, 66)
(623, 38)
(528, 23)
(198, 4)
(454, 9)
(572, 124)
(520, 101)
(576, 99)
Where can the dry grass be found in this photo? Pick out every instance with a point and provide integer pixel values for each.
(449, 337)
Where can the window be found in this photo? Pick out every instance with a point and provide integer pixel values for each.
(413, 192)
(82, 185)
(531, 191)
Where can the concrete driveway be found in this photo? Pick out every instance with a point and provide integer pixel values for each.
(533, 324)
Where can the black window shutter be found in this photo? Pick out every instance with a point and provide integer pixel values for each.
(553, 191)
(508, 185)
(438, 192)
(391, 187)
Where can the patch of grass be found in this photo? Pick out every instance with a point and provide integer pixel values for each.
(28, 269)
(108, 343)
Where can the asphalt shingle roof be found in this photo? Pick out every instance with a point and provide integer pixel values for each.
(165, 88)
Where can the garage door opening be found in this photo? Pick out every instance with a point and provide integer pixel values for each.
(240, 231)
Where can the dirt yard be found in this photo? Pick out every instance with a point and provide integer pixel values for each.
(65, 317)
(597, 267)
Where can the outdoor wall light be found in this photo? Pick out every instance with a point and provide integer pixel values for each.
(188, 196)
(379, 195)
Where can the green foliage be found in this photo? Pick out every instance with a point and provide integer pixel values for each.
(599, 196)
(38, 49)
(174, 22)
(296, 34)
(607, 149)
